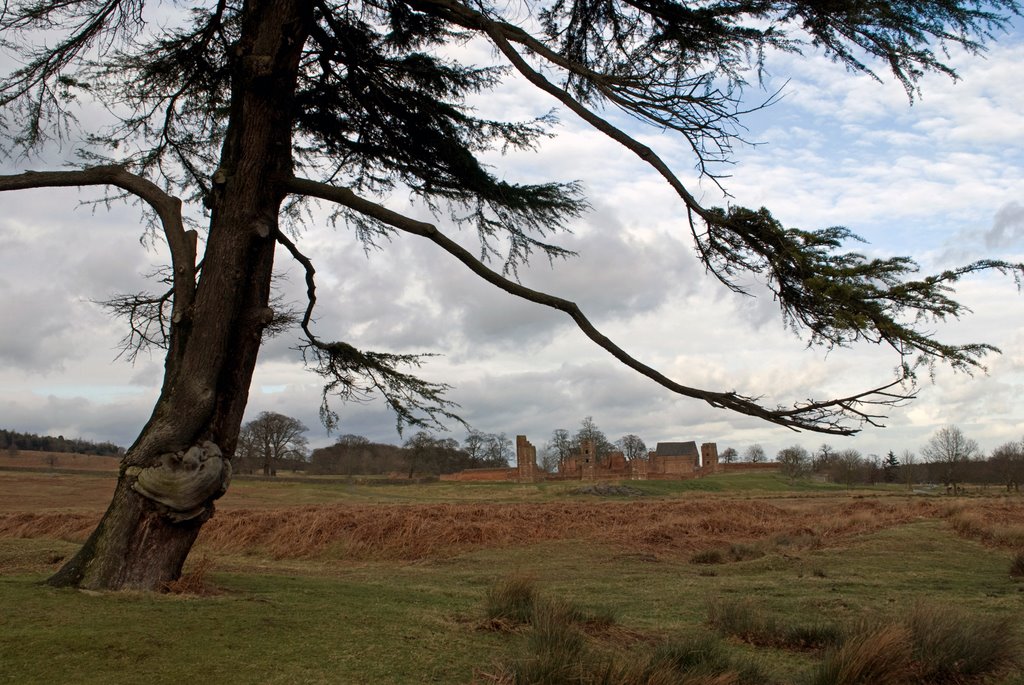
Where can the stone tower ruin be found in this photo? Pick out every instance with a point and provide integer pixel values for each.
(709, 457)
(526, 460)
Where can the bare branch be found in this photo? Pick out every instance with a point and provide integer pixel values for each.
(181, 243)
(829, 416)
(148, 321)
(354, 375)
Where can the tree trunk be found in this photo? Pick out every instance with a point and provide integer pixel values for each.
(180, 462)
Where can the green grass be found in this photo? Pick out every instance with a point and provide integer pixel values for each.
(266, 628)
(738, 483)
(327, 620)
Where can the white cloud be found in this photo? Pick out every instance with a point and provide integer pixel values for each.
(941, 181)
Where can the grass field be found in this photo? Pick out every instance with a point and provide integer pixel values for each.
(333, 582)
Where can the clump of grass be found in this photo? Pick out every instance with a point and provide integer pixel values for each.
(708, 556)
(737, 618)
(1017, 565)
(703, 659)
(560, 649)
(558, 654)
(969, 525)
(870, 656)
(931, 645)
(950, 645)
(510, 601)
(515, 601)
(556, 649)
(735, 552)
(744, 620)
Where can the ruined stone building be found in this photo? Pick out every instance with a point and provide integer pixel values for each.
(669, 460)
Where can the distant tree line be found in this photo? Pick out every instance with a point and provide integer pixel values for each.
(949, 459)
(12, 441)
(423, 454)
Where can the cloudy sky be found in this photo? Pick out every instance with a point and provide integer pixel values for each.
(941, 180)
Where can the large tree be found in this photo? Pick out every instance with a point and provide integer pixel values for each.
(270, 440)
(233, 114)
(949, 449)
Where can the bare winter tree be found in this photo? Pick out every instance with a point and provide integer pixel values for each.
(754, 454)
(237, 114)
(795, 461)
(498, 450)
(950, 450)
(848, 467)
(556, 450)
(632, 447)
(271, 440)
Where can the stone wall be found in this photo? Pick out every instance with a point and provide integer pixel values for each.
(584, 466)
(483, 475)
(747, 466)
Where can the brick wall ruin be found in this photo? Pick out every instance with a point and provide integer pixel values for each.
(668, 461)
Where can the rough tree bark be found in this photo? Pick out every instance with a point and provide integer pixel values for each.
(180, 462)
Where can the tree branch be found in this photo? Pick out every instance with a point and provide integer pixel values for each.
(181, 243)
(830, 416)
(354, 374)
(147, 322)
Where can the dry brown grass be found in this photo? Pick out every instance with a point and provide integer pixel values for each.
(998, 524)
(195, 580)
(417, 531)
(74, 527)
(426, 530)
(878, 656)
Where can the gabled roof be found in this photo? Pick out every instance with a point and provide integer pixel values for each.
(677, 449)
